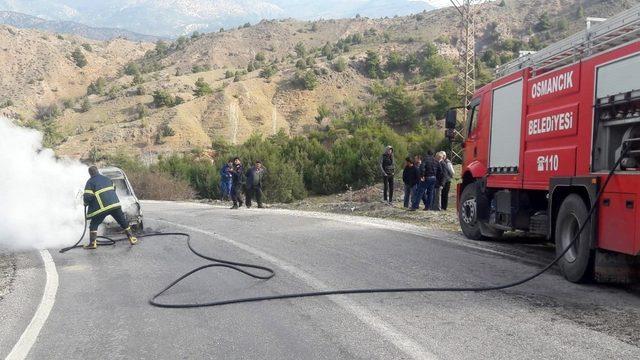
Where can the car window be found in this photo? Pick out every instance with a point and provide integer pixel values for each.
(473, 114)
(121, 187)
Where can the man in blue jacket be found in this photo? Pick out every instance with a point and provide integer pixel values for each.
(101, 200)
(226, 179)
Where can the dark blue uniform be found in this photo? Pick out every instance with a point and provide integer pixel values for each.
(101, 199)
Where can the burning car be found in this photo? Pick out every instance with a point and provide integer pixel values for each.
(130, 203)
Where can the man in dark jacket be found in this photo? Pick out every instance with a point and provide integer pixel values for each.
(238, 183)
(255, 176)
(435, 200)
(410, 179)
(388, 168)
(427, 182)
(101, 200)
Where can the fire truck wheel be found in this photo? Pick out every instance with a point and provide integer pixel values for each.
(577, 263)
(468, 214)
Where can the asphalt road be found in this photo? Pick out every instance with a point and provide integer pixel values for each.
(101, 310)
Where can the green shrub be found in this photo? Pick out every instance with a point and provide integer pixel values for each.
(97, 87)
(395, 61)
(161, 48)
(132, 69)
(85, 105)
(400, 107)
(66, 103)
(141, 111)
(166, 130)
(445, 97)
(436, 66)
(48, 113)
(544, 23)
(300, 49)
(7, 103)
(200, 68)
(340, 65)
(372, 66)
(163, 98)
(202, 88)
(79, 58)
(307, 79)
(137, 79)
(268, 71)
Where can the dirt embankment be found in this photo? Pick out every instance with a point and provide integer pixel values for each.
(368, 202)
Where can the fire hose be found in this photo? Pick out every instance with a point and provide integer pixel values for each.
(268, 273)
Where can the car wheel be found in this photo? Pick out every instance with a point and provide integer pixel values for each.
(577, 262)
(468, 213)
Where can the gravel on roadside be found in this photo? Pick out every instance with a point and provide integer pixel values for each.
(368, 202)
(7, 273)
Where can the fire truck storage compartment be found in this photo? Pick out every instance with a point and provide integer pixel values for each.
(617, 223)
(617, 113)
(506, 121)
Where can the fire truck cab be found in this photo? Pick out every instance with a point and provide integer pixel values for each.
(540, 140)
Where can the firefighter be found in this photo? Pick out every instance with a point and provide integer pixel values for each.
(101, 199)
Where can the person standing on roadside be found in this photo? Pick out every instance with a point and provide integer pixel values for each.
(418, 192)
(448, 174)
(388, 168)
(238, 182)
(435, 201)
(255, 176)
(417, 161)
(226, 180)
(427, 182)
(410, 179)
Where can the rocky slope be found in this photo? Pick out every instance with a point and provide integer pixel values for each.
(38, 70)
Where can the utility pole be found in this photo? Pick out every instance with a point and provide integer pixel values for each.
(467, 74)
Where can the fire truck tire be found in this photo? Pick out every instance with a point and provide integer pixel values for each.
(468, 213)
(577, 263)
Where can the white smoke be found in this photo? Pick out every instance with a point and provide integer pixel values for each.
(40, 201)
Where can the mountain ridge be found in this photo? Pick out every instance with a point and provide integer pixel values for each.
(180, 17)
(25, 21)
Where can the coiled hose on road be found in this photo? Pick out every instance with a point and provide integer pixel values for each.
(269, 273)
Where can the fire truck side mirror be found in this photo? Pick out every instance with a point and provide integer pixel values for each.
(451, 119)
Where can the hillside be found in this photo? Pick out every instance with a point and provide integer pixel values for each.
(37, 67)
(171, 18)
(272, 96)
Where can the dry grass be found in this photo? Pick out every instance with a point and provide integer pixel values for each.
(158, 186)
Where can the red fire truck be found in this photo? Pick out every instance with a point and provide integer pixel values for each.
(540, 140)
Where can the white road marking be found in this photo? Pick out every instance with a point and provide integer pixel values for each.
(384, 224)
(403, 342)
(30, 334)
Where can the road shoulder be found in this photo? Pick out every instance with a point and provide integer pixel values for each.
(21, 301)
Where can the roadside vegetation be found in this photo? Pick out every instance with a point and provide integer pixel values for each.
(332, 159)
